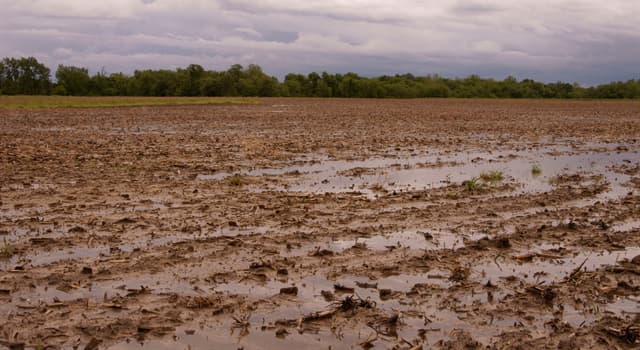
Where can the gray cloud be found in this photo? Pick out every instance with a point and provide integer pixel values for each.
(475, 7)
(587, 41)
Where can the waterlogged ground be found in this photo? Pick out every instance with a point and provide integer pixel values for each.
(341, 224)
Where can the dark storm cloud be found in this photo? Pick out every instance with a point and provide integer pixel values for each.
(584, 41)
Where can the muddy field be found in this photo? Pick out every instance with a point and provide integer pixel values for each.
(328, 224)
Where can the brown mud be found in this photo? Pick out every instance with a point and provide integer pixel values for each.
(308, 223)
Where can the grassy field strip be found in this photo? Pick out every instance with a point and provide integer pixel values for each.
(120, 101)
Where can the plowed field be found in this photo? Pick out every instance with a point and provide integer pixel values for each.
(320, 223)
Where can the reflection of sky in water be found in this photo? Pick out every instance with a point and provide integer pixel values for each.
(421, 172)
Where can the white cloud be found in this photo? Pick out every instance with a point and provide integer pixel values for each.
(73, 8)
(576, 40)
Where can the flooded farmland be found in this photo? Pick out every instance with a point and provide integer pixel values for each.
(328, 224)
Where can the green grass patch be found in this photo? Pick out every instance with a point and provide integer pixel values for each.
(481, 183)
(492, 176)
(472, 185)
(536, 170)
(7, 249)
(117, 101)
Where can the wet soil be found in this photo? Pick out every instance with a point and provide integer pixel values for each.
(310, 223)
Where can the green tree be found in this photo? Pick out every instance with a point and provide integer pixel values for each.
(211, 84)
(120, 84)
(74, 80)
(189, 80)
(24, 76)
(28, 76)
(297, 85)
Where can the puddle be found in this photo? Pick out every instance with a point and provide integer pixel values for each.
(97, 290)
(405, 282)
(623, 308)
(419, 159)
(410, 239)
(577, 318)
(161, 283)
(27, 186)
(433, 171)
(438, 325)
(21, 213)
(16, 233)
(219, 335)
(309, 299)
(626, 226)
(310, 288)
(41, 258)
(549, 269)
(234, 232)
(76, 253)
(85, 253)
(518, 169)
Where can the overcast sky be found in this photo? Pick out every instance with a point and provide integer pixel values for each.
(586, 41)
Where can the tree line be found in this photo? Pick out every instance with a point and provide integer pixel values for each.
(27, 76)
